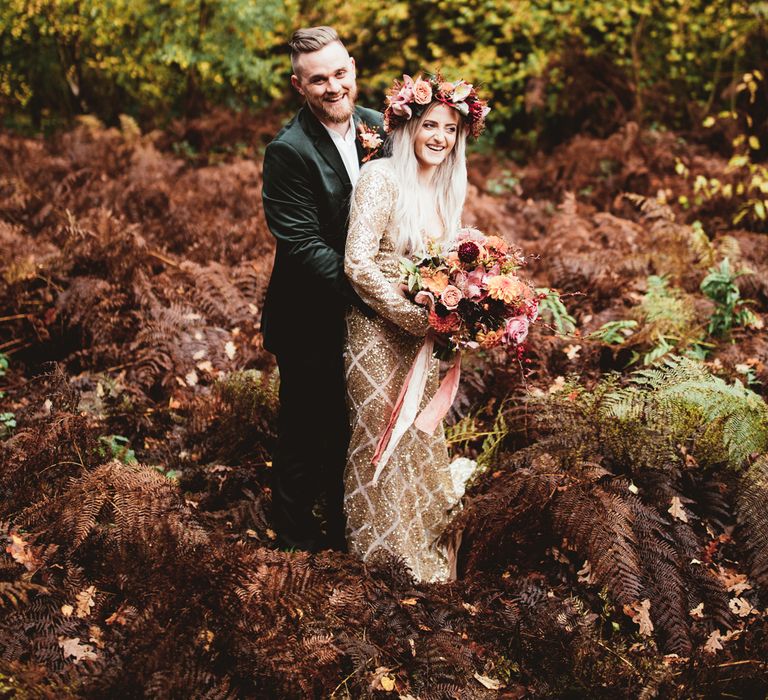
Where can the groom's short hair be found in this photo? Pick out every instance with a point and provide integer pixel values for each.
(309, 40)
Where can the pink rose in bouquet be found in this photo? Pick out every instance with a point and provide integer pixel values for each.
(517, 329)
(451, 297)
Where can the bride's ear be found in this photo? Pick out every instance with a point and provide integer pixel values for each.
(352, 63)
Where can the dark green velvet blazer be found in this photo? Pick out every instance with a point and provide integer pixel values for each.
(306, 196)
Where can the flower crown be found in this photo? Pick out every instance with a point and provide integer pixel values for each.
(413, 96)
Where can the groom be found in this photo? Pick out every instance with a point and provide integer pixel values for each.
(309, 171)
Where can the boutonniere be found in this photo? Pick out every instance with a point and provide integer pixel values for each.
(370, 139)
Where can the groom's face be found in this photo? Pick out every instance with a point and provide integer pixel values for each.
(326, 79)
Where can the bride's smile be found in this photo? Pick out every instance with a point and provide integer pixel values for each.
(436, 136)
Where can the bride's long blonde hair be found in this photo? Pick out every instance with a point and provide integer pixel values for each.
(450, 182)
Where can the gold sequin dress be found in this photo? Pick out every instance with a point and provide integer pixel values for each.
(412, 502)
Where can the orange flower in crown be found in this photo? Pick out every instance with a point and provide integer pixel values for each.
(412, 96)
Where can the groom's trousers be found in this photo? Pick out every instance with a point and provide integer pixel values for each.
(311, 451)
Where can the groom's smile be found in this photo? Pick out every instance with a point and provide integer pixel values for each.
(326, 79)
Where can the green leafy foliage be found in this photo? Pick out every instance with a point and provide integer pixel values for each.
(552, 310)
(65, 57)
(730, 310)
(683, 399)
(614, 332)
(117, 447)
(7, 423)
(538, 60)
(743, 187)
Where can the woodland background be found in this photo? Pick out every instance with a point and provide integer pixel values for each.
(616, 536)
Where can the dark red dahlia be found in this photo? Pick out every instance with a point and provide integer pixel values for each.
(468, 252)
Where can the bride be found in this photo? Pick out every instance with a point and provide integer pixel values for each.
(400, 204)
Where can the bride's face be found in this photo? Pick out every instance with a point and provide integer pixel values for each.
(436, 135)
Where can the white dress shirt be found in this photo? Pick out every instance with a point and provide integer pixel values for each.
(347, 148)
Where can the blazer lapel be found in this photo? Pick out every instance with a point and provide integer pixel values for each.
(321, 139)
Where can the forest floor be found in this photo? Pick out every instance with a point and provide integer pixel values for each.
(615, 538)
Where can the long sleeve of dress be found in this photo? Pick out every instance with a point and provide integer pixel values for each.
(371, 212)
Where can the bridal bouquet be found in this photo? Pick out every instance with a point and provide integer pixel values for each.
(475, 300)
(474, 295)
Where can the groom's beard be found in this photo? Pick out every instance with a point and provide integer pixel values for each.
(339, 111)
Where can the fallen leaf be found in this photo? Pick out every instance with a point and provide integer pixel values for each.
(671, 659)
(409, 601)
(677, 510)
(22, 552)
(271, 534)
(67, 610)
(585, 573)
(572, 351)
(73, 647)
(84, 601)
(96, 636)
(698, 611)
(470, 608)
(557, 385)
(205, 366)
(117, 617)
(489, 683)
(230, 349)
(740, 606)
(382, 680)
(633, 489)
(712, 644)
(733, 581)
(206, 636)
(191, 378)
(640, 612)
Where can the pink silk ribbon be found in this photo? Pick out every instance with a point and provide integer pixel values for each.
(407, 405)
(436, 409)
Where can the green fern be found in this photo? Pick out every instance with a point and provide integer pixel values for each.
(682, 397)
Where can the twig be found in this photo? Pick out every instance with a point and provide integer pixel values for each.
(739, 663)
(122, 366)
(344, 681)
(15, 341)
(167, 261)
(13, 318)
(620, 657)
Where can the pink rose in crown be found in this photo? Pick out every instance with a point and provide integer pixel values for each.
(451, 297)
(422, 92)
(517, 329)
